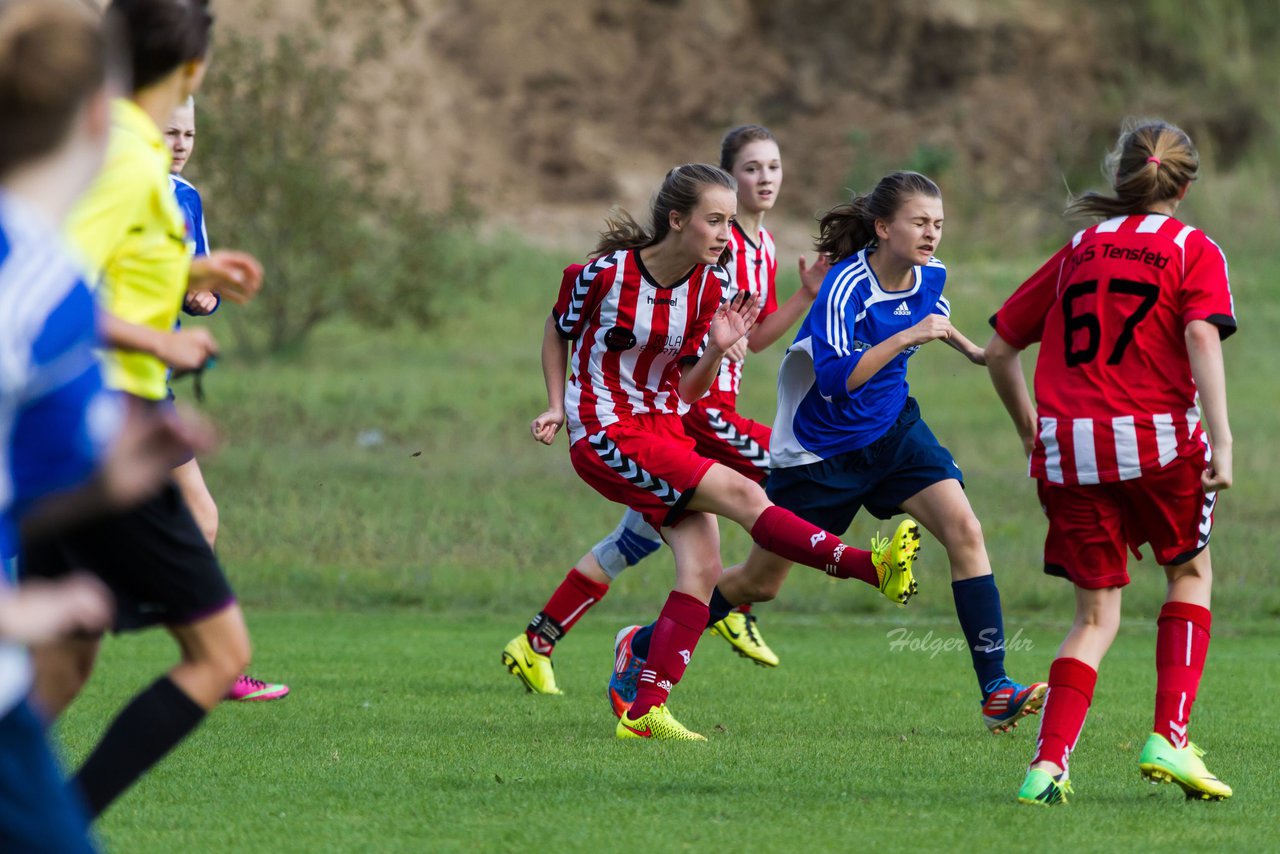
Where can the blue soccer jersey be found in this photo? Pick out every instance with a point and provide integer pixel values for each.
(818, 417)
(193, 212)
(55, 416)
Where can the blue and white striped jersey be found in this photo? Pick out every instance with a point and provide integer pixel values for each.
(818, 417)
(56, 418)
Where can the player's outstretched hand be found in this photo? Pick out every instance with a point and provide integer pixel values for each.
(233, 274)
(811, 277)
(734, 319)
(545, 427)
(738, 352)
(1217, 475)
(40, 611)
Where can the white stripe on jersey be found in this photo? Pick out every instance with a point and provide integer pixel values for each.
(1052, 453)
(1128, 461)
(1151, 223)
(1086, 455)
(945, 305)
(1110, 225)
(1166, 438)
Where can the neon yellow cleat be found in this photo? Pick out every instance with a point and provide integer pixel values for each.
(534, 669)
(1161, 762)
(742, 633)
(656, 723)
(1040, 789)
(893, 559)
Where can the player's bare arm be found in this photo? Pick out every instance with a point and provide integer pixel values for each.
(934, 326)
(555, 362)
(1204, 349)
(1004, 364)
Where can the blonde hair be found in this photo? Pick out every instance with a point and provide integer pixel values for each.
(54, 55)
(1151, 162)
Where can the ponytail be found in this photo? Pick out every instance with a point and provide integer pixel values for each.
(1151, 162)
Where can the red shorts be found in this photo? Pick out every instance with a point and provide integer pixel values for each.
(729, 438)
(1090, 527)
(646, 462)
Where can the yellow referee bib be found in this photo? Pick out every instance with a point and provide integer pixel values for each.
(132, 236)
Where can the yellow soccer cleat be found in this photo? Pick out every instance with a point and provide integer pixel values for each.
(743, 634)
(1161, 762)
(1042, 790)
(893, 559)
(656, 723)
(534, 669)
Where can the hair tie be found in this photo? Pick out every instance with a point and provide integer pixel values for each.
(1155, 160)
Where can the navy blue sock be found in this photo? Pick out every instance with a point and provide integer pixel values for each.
(719, 608)
(978, 607)
(640, 643)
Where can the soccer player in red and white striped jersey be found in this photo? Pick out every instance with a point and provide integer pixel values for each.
(649, 327)
(1129, 316)
(750, 153)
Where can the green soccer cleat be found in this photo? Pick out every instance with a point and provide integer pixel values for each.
(534, 669)
(1161, 762)
(893, 559)
(656, 723)
(743, 634)
(1041, 790)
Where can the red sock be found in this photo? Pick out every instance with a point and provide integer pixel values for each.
(1071, 683)
(573, 598)
(675, 636)
(787, 535)
(1182, 641)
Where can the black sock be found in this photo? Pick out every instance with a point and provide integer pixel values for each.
(719, 607)
(144, 731)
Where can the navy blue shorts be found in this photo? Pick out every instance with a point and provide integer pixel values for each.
(879, 477)
(39, 809)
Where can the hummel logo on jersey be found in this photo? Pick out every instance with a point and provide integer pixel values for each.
(663, 301)
(902, 310)
(817, 538)
(686, 655)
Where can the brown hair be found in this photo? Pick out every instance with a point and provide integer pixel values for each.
(1151, 163)
(680, 192)
(735, 139)
(53, 57)
(848, 228)
(162, 35)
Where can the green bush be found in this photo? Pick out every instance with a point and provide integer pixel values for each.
(288, 178)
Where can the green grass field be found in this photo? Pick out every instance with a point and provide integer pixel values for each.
(406, 734)
(372, 573)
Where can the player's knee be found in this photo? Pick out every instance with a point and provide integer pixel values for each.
(965, 534)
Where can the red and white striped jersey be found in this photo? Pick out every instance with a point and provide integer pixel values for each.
(1113, 386)
(630, 337)
(754, 268)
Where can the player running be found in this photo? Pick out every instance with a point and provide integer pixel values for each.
(180, 137)
(849, 435)
(1130, 317)
(649, 327)
(749, 153)
(154, 556)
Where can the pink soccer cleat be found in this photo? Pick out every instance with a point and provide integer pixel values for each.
(248, 689)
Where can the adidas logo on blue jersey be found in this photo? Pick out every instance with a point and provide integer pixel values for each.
(902, 310)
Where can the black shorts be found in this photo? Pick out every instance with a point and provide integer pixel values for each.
(153, 557)
(898, 465)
